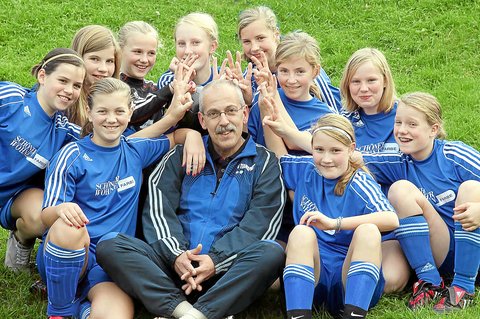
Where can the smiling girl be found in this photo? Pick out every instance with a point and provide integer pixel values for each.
(297, 64)
(99, 49)
(369, 97)
(436, 194)
(334, 252)
(32, 129)
(139, 42)
(92, 189)
(196, 40)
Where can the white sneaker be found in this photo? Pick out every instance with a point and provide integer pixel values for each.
(17, 257)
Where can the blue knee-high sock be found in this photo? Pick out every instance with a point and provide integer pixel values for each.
(63, 268)
(299, 284)
(467, 258)
(362, 278)
(413, 236)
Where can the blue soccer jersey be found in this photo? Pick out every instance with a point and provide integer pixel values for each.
(29, 137)
(374, 133)
(104, 181)
(313, 192)
(438, 177)
(303, 113)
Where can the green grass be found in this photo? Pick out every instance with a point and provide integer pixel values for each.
(431, 45)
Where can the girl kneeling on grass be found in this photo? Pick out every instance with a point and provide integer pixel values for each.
(334, 252)
(33, 128)
(92, 189)
(436, 194)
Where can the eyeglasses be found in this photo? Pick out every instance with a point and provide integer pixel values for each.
(230, 111)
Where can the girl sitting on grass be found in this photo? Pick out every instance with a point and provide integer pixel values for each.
(92, 189)
(436, 194)
(334, 253)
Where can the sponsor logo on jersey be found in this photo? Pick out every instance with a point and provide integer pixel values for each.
(23, 146)
(119, 185)
(39, 161)
(445, 197)
(86, 157)
(244, 167)
(26, 110)
(126, 183)
(390, 148)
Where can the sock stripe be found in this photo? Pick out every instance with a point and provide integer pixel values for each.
(297, 270)
(85, 313)
(468, 236)
(63, 253)
(364, 267)
(411, 229)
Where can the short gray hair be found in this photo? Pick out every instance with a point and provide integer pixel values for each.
(215, 85)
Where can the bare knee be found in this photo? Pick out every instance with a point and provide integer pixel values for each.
(26, 209)
(405, 197)
(110, 302)
(300, 236)
(469, 191)
(301, 244)
(67, 236)
(368, 236)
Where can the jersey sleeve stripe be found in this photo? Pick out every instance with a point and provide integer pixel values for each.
(375, 197)
(55, 183)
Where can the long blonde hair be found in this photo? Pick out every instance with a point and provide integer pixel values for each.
(378, 59)
(339, 128)
(299, 44)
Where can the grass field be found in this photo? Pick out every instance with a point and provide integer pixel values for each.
(431, 45)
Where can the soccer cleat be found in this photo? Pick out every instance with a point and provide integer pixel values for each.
(17, 257)
(59, 317)
(453, 298)
(424, 293)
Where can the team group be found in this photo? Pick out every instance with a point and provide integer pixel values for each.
(239, 177)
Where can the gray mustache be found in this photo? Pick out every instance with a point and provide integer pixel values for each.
(227, 128)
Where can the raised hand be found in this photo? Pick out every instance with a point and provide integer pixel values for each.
(219, 74)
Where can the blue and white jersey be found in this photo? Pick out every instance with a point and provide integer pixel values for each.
(29, 137)
(329, 93)
(104, 181)
(313, 192)
(374, 133)
(303, 113)
(438, 177)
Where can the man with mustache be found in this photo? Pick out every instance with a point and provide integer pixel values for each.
(210, 249)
